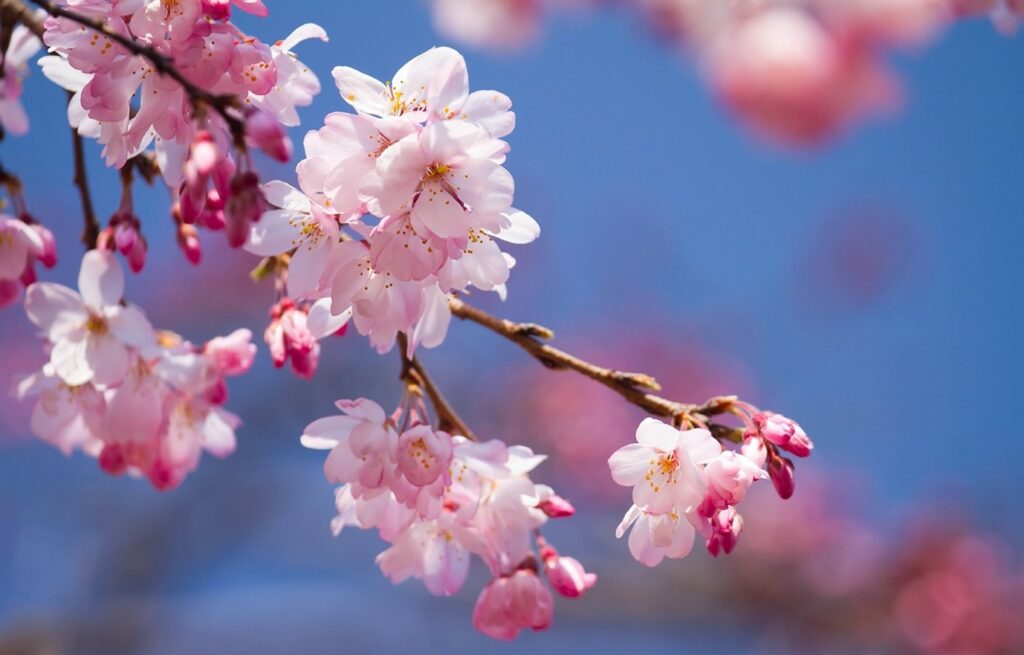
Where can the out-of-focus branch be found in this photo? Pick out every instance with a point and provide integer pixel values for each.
(91, 231)
(16, 11)
(634, 387)
(415, 375)
(162, 64)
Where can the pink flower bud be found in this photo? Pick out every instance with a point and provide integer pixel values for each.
(566, 575)
(784, 432)
(48, 255)
(725, 528)
(244, 207)
(266, 133)
(161, 476)
(131, 244)
(512, 603)
(556, 507)
(112, 459)
(780, 470)
(217, 9)
(204, 153)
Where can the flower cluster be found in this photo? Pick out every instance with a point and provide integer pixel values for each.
(400, 203)
(142, 402)
(684, 481)
(125, 101)
(13, 67)
(438, 500)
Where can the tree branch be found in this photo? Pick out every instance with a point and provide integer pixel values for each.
(634, 387)
(17, 11)
(161, 64)
(91, 231)
(414, 374)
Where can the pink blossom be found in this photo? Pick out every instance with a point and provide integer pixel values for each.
(296, 224)
(656, 536)
(512, 603)
(91, 333)
(729, 475)
(427, 550)
(665, 466)
(423, 454)
(363, 445)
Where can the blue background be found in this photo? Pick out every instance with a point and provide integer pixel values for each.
(871, 288)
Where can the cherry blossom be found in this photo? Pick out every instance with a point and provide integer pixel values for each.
(438, 500)
(665, 466)
(92, 332)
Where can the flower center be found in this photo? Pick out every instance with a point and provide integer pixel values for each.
(663, 470)
(96, 325)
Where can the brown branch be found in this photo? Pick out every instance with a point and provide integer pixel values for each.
(18, 12)
(91, 231)
(634, 387)
(415, 375)
(162, 64)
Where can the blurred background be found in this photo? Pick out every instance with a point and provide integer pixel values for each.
(868, 287)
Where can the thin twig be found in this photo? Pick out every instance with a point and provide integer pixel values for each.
(415, 375)
(91, 231)
(162, 64)
(634, 387)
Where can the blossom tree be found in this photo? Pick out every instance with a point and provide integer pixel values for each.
(401, 210)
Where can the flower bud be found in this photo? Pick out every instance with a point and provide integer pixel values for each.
(112, 459)
(725, 530)
(266, 133)
(780, 470)
(48, 255)
(217, 9)
(244, 207)
(556, 507)
(783, 432)
(188, 241)
(566, 575)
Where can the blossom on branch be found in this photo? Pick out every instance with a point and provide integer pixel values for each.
(141, 402)
(437, 499)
